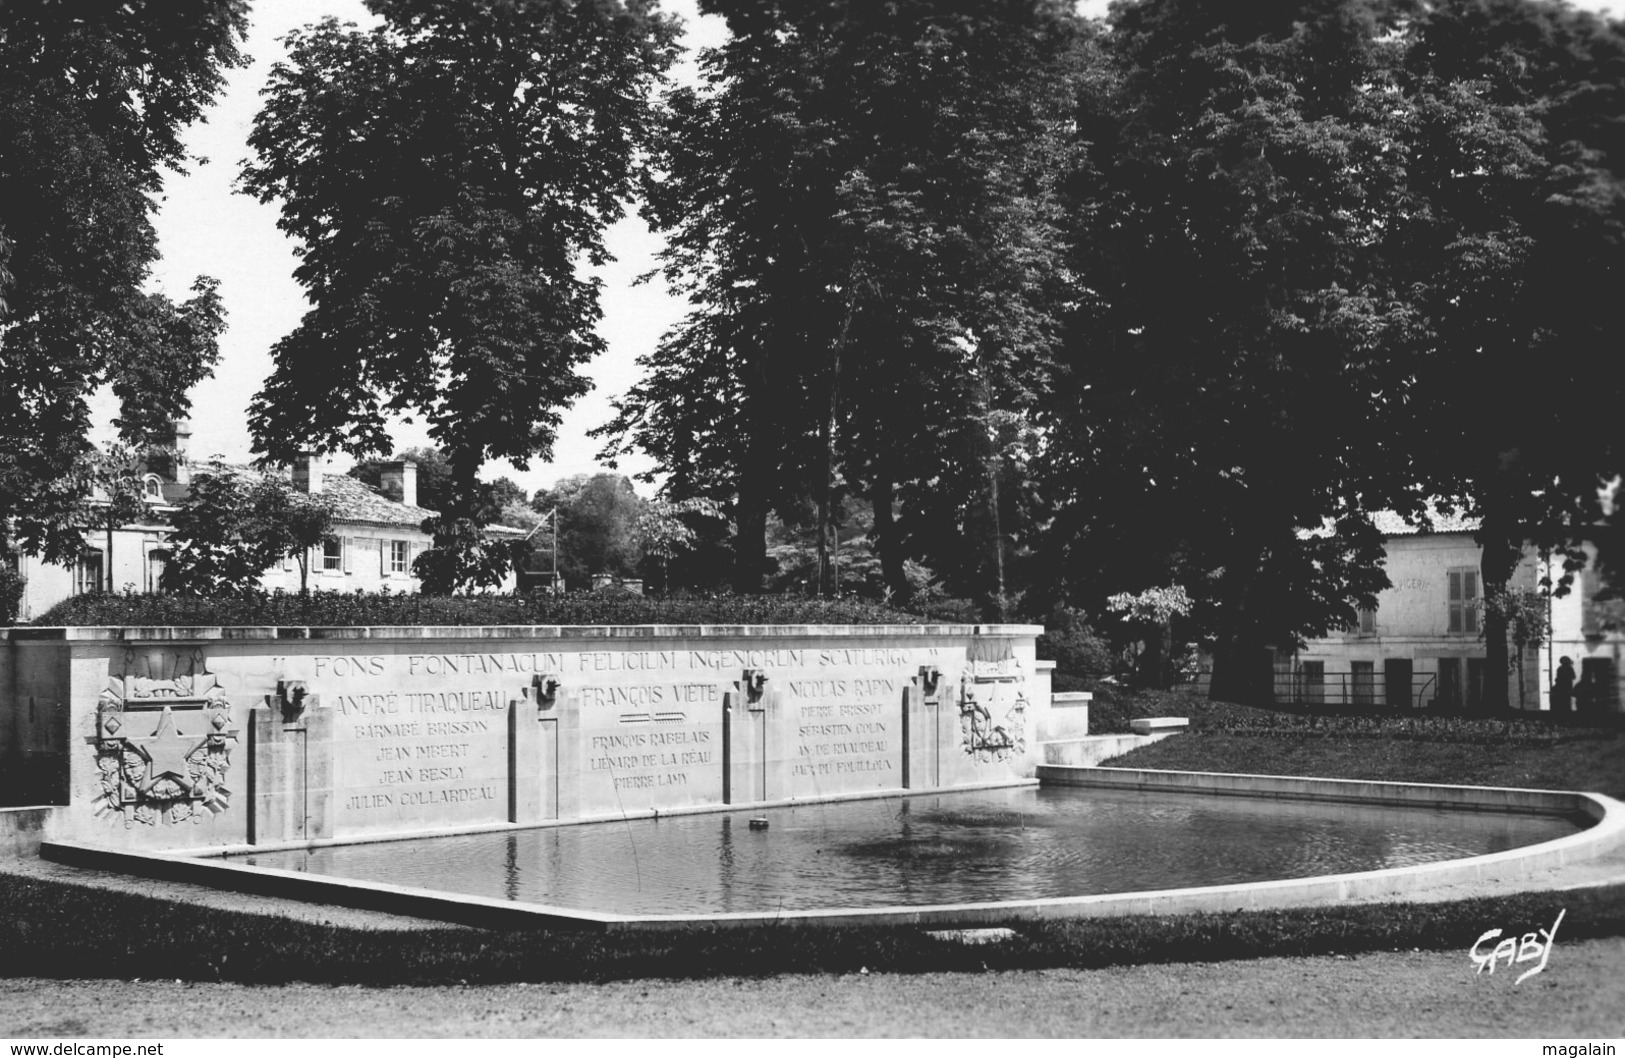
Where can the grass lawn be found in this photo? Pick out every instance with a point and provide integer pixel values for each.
(1474, 752)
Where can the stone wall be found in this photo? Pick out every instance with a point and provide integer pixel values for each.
(223, 737)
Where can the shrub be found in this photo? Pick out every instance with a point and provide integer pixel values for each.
(385, 608)
(1074, 647)
(11, 594)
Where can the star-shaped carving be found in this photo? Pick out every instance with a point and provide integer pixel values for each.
(166, 751)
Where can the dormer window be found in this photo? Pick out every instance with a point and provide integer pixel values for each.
(154, 488)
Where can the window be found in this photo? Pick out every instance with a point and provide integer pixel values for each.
(1448, 692)
(1598, 689)
(1365, 682)
(87, 573)
(1475, 683)
(156, 560)
(154, 488)
(333, 554)
(1463, 601)
(1591, 614)
(399, 556)
(1368, 622)
(1314, 681)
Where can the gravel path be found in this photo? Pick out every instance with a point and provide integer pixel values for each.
(1581, 995)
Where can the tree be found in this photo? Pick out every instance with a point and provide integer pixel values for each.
(93, 99)
(1238, 357)
(862, 209)
(446, 175)
(1524, 617)
(666, 531)
(118, 496)
(1511, 248)
(238, 524)
(1152, 612)
(599, 525)
(1378, 219)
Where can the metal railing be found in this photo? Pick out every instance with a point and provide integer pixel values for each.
(1343, 689)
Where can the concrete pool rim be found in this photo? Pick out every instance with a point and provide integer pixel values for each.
(1605, 834)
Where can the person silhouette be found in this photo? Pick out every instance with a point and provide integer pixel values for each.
(1563, 686)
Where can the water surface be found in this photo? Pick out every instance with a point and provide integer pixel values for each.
(1015, 844)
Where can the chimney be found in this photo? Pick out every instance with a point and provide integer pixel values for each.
(399, 481)
(307, 472)
(169, 458)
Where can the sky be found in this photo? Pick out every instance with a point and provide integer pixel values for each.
(204, 228)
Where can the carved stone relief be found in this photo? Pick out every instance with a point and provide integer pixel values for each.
(162, 740)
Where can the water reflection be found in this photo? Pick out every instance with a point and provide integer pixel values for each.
(950, 848)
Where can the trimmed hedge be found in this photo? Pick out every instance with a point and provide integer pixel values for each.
(337, 609)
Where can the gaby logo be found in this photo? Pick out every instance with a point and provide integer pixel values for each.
(1537, 945)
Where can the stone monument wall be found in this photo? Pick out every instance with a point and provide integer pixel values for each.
(226, 737)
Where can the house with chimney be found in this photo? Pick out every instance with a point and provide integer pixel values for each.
(377, 534)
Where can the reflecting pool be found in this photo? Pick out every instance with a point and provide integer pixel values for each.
(974, 846)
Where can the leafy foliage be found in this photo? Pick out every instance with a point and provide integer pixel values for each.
(445, 174)
(465, 556)
(862, 207)
(1074, 647)
(600, 525)
(1364, 210)
(238, 524)
(93, 100)
(11, 593)
(118, 496)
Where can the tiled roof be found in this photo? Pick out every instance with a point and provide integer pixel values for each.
(354, 501)
(1391, 524)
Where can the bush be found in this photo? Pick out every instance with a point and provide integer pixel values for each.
(328, 609)
(1074, 647)
(11, 594)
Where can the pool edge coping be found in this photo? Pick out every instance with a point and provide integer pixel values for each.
(1606, 834)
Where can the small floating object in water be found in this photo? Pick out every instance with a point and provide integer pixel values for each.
(759, 823)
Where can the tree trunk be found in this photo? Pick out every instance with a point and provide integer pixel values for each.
(1241, 660)
(107, 560)
(827, 439)
(755, 480)
(1498, 562)
(881, 495)
(750, 540)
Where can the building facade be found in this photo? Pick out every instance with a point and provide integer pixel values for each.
(1423, 645)
(377, 535)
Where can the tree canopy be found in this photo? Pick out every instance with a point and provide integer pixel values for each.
(445, 175)
(93, 100)
(1313, 244)
(861, 208)
(236, 525)
(600, 527)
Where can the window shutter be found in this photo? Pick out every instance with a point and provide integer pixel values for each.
(346, 550)
(1469, 584)
(383, 558)
(1455, 602)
